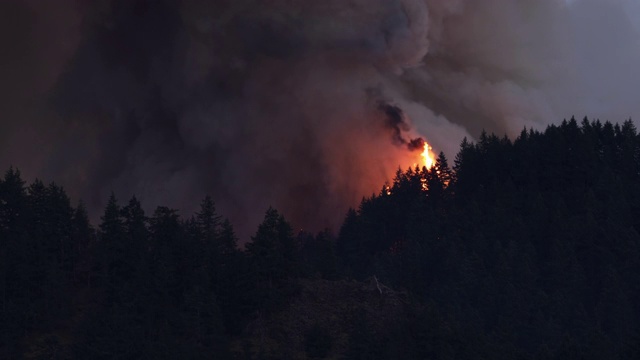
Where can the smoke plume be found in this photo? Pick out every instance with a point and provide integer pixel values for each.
(299, 104)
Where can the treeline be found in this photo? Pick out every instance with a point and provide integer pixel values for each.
(137, 286)
(530, 247)
(523, 249)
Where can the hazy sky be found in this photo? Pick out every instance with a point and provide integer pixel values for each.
(277, 102)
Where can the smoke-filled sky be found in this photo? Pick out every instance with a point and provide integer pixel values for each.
(291, 103)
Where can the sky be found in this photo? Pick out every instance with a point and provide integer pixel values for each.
(282, 102)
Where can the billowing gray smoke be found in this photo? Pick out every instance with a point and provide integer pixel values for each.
(303, 105)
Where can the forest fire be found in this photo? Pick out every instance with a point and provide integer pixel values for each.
(396, 123)
(428, 156)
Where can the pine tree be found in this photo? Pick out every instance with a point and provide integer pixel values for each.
(208, 220)
(14, 263)
(13, 202)
(111, 228)
(112, 248)
(227, 238)
(135, 222)
(83, 236)
(438, 179)
(273, 247)
(273, 254)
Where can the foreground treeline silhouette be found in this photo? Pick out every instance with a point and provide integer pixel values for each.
(524, 249)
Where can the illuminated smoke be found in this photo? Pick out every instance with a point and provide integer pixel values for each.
(270, 102)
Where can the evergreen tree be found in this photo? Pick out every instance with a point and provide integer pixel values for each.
(273, 248)
(273, 254)
(111, 251)
(83, 237)
(14, 264)
(208, 220)
(111, 228)
(228, 240)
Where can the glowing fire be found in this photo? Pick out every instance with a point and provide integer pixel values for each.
(428, 156)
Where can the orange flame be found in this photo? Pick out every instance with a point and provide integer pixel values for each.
(428, 156)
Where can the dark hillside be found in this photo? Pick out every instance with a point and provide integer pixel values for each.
(523, 249)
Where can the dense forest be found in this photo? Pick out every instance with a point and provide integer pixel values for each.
(520, 249)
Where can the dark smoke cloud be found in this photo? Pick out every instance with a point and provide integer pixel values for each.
(397, 123)
(278, 102)
(416, 144)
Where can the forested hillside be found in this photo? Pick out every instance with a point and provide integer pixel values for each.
(517, 249)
